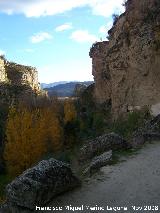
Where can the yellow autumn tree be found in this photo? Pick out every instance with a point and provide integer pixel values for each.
(70, 113)
(24, 140)
(52, 128)
(70, 125)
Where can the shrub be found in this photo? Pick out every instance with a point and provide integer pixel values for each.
(126, 126)
(115, 18)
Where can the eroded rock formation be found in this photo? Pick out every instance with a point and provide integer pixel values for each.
(38, 185)
(3, 74)
(22, 75)
(17, 81)
(126, 69)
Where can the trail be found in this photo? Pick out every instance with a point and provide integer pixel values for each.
(133, 182)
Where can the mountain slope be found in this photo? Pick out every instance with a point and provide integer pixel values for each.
(65, 90)
(44, 85)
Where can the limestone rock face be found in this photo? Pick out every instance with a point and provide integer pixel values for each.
(22, 75)
(17, 74)
(3, 75)
(18, 82)
(100, 71)
(127, 68)
(38, 185)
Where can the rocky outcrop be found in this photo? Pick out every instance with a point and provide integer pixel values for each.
(79, 89)
(100, 145)
(98, 162)
(19, 74)
(3, 74)
(38, 185)
(99, 67)
(18, 82)
(126, 68)
(150, 132)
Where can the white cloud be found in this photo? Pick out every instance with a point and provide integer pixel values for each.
(83, 36)
(104, 29)
(106, 7)
(64, 27)
(2, 52)
(37, 8)
(29, 50)
(39, 37)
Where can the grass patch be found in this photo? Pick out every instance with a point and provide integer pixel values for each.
(116, 156)
(126, 126)
(127, 152)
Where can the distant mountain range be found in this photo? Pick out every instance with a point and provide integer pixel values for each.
(44, 85)
(63, 88)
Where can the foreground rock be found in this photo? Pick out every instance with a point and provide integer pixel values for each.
(100, 145)
(38, 185)
(98, 162)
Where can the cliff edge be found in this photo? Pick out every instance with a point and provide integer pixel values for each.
(126, 68)
(18, 82)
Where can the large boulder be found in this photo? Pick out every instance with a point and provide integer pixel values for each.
(98, 162)
(100, 145)
(38, 185)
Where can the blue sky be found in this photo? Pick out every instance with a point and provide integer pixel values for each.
(55, 35)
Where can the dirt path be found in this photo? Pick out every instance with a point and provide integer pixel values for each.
(135, 181)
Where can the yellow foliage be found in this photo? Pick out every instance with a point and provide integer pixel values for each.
(30, 133)
(24, 145)
(53, 129)
(70, 113)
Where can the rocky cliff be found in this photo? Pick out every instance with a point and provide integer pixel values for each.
(22, 75)
(17, 81)
(3, 74)
(126, 69)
